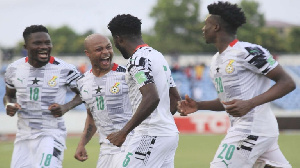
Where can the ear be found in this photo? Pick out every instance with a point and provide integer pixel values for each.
(217, 27)
(119, 39)
(87, 53)
(25, 46)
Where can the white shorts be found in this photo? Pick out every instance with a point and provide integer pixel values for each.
(146, 151)
(111, 161)
(247, 151)
(37, 153)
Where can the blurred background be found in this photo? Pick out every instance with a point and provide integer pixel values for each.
(173, 27)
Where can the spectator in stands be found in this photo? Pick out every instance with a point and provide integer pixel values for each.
(105, 93)
(240, 72)
(153, 96)
(36, 86)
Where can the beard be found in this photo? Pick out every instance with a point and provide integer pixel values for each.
(124, 53)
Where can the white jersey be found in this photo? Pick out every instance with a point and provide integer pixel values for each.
(36, 90)
(149, 66)
(239, 73)
(107, 98)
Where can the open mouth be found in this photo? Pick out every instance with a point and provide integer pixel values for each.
(105, 61)
(43, 54)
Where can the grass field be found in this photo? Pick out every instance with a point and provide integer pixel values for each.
(194, 151)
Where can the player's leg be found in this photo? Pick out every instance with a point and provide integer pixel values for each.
(240, 151)
(273, 157)
(150, 151)
(21, 155)
(49, 152)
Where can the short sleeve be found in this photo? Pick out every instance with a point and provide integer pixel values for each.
(72, 76)
(9, 74)
(140, 70)
(259, 60)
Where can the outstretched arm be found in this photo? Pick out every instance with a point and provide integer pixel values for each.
(189, 105)
(174, 98)
(284, 85)
(59, 110)
(88, 132)
(150, 100)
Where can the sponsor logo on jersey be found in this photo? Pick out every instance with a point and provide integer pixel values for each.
(115, 89)
(52, 82)
(229, 68)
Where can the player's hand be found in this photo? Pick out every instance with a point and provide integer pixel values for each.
(57, 110)
(238, 108)
(117, 138)
(187, 106)
(12, 109)
(81, 154)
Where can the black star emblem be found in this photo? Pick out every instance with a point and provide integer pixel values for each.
(35, 81)
(218, 69)
(98, 90)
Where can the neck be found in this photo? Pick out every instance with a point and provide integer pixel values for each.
(133, 45)
(36, 64)
(223, 42)
(98, 72)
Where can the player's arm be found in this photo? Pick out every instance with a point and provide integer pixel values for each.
(189, 105)
(59, 110)
(174, 98)
(88, 132)
(284, 85)
(149, 102)
(9, 101)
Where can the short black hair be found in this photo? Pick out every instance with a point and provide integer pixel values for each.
(125, 24)
(33, 29)
(230, 13)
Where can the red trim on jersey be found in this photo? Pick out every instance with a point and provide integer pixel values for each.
(51, 60)
(115, 66)
(233, 42)
(139, 46)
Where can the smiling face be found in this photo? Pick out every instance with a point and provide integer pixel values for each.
(39, 47)
(100, 52)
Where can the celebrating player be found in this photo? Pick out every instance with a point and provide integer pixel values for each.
(105, 93)
(153, 96)
(240, 72)
(36, 87)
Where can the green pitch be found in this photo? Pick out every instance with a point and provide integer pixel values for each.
(193, 151)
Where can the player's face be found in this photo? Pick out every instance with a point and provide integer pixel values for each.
(39, 47)
(120, 48)
(101, 53)
(208, 29)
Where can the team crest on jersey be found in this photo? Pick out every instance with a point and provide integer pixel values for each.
(229, 68)
(52, 82)
(115, 89)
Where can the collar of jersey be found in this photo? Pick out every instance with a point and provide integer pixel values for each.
(231, 44)
(51, 60)
(114, 67)
(140, 46)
